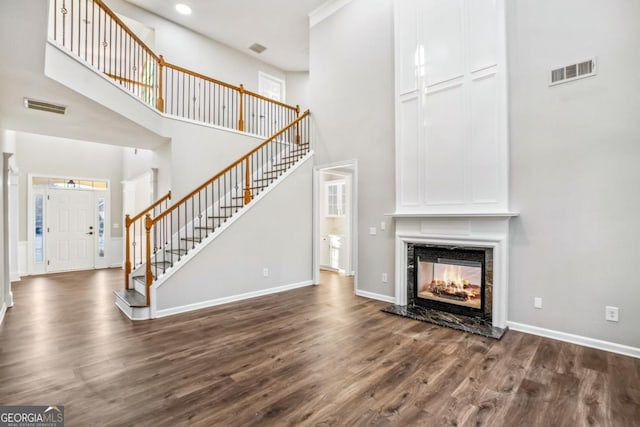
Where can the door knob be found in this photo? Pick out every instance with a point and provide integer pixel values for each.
(91, 232)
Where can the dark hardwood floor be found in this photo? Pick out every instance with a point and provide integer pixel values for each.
(317, 356)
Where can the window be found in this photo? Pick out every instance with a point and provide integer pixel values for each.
(336, 198)
(38, 229)
(69, 184)
(101, 227)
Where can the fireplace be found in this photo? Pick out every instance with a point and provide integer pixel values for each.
(450, 279)
(450, 285)
(453, 279)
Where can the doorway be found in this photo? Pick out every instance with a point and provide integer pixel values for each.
(67, 224)
(70, 230)
(335, 219)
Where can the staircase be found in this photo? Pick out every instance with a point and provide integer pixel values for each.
(164, 237)
(174, 234)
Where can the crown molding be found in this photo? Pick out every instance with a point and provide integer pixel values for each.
(326, 10)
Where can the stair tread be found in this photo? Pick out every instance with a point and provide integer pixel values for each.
(193, 239)
(176, 251)
(219, 217)
(132, 298)
(263, 179)
(139, 278)
(160, 263)
(232, 207)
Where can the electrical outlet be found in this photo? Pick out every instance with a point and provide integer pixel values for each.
(372, 231)
(385, 278)
(265, 272)
(537, 302)
(611, 313)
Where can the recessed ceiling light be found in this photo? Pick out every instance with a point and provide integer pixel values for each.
(183, 9)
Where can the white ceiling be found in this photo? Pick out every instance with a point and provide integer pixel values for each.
(280, 25)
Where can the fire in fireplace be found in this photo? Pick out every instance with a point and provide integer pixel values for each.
(450, 279)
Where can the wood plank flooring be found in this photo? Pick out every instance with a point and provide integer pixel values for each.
(317, 356)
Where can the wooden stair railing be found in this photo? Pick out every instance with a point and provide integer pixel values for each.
(179, 228)
(95, 34)
(134, 235)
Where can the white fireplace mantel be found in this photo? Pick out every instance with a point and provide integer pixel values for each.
(453, 214)
(480, 231)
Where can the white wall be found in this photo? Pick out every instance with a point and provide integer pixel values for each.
(196, 52)
(276, 234)
(198, 152)
(351, 87)
(298, 89)
(574, 167)
(52, 156)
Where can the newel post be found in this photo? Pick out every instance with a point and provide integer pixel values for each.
(148, 223)
(247, 182)
(241, 112)
(127, 250)
(160, 99)
(297, 125)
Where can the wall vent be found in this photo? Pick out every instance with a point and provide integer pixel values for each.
(44, 106)
(257, 48)
(572, 72)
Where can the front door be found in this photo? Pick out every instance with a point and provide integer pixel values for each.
(70, 230)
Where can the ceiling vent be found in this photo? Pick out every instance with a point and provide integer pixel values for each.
(573, 72)
(257, 48)
(44, 106)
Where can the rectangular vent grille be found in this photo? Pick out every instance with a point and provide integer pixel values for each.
(257, 48)
(44, 106)
(573, 72)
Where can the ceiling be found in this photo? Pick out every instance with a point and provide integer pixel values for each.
(280, 25)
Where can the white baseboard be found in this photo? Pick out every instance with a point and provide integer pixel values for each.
(576, 339)
(225, 300)
(373, 295)
(15, 277)
(3, 311)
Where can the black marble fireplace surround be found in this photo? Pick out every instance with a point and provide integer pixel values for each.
(472, 320)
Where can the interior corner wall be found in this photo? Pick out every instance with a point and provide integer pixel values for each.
(351, 96)
(196, 52)
(48, 155)
(574, 167)
(297, 85)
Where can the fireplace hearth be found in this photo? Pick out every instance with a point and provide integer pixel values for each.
(450, 286)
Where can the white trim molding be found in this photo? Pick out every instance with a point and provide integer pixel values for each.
(326, 10)
(155, 313)
(3, 311)
(373, 295)
(576, 339)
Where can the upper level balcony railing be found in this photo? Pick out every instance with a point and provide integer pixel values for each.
(89, 30)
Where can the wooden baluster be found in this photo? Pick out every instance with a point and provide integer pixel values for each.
(148, 274)
(160, 99)
(241, 112)
(297, 125)
(247, 182)
(127, 250)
